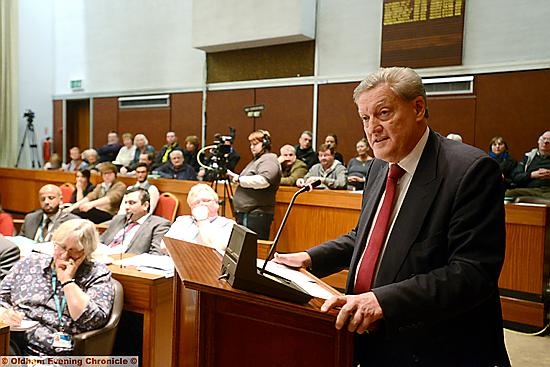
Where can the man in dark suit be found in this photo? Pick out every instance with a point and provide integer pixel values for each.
(40, 224)
(138, 231)
(9, 255)
(431, 296)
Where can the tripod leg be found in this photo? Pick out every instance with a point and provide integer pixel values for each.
(34, 149)
(21, 147)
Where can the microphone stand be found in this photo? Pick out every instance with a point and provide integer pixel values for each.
(306, 188)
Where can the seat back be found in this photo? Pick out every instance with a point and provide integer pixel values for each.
(167, 206)
(67, 190)
(100, 342)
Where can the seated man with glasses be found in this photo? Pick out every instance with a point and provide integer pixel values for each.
(532, 175)
(204, 226)
(101, 204)
(136, 231)
(53, 297)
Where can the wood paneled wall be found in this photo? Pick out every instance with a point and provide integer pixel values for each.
(514, 105)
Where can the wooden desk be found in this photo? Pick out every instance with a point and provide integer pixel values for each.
(152, 296)
(4, 339)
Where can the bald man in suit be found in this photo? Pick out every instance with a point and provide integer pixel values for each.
(428, 296)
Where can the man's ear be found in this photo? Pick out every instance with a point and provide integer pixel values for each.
(419, 107)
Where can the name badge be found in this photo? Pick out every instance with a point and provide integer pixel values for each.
(62, 340)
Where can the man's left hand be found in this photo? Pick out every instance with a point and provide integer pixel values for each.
(360, 311)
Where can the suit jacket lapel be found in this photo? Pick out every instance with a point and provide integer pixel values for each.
(418, 200)
(136, 239)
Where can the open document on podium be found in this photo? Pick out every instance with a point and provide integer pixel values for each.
(308, 284)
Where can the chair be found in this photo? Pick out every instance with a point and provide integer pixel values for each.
(67, 190)
(100, 342)
(167, 206)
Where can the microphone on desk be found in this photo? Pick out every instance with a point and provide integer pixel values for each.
(306, 188)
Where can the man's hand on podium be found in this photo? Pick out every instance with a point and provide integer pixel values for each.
(361, 312)
(295, 260)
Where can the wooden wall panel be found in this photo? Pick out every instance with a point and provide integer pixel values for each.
(57, 133)
(337, 113)
(454, 115)
(152, 122)
(186, 114)
(224, 109)
(105, 119)
(514, 105)
(288, 111)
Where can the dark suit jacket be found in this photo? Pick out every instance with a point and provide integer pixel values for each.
(34, 220)
(146, 239)
(9, 255)
(437, 282)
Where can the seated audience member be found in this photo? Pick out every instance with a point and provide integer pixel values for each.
(83, 186)
(136, 231)
(101, 204)
(142, 147)
(6, 223)
(332, 140)
(357, 166)
(76, 163)
(126, 153)
(9, 255)
(291, 167)
(192, 147)
(455, 137)
(91, 158)
(203, 226)
(109, 151)
(163, 155)
(498, 150)
(54, 163)
(41, 224)
(331, 172)
(531, 176)
(141, 172)
(304, 150)
(177, 168)
(39, 286)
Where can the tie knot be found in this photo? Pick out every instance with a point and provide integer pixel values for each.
(396, 172)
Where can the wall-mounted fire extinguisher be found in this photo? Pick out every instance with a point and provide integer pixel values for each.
(47, 147)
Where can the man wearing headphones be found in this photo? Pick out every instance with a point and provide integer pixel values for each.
(254, 198)
(137, 231)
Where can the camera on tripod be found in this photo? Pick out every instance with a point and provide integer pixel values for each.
(29, 115)
(217, 162)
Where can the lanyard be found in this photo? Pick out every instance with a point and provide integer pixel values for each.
(58, 306)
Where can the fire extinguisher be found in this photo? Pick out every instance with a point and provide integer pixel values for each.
(47, 149)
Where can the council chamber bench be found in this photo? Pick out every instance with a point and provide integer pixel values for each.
(322, 215)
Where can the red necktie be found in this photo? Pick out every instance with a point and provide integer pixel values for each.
(118, 240)
(365, 273)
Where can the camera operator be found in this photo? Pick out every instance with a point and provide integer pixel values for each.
(254, 198)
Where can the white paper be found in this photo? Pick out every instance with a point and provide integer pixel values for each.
(154, 264)
(309, 285)
(26, 245)
(25, 325)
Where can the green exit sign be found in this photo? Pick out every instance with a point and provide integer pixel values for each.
(76, 84)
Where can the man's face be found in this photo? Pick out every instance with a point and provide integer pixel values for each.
(144, 158)
(176, 159)
(134, 205)
(74, 154)
(329, 140)
(326, 159)
(205, 198)
(141, 174)
(392, 126)
(112, 138)
(108, 177)
(171, 138)
(289, 157)
(544, 143)
(50, 199)
(305, 141)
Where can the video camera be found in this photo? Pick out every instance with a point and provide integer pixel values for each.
(218, 160)
(29, 115)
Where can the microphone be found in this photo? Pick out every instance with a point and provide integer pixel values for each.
(306, 188)
(126, 221)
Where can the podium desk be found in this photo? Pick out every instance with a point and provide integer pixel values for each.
(4, 339)
(217, 325)
(152, 296)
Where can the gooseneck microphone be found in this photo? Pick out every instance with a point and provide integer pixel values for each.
(273, 247)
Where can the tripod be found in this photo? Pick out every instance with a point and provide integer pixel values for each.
(227, 190)
(29, 135)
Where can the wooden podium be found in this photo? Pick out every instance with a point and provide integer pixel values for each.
(216, 325)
